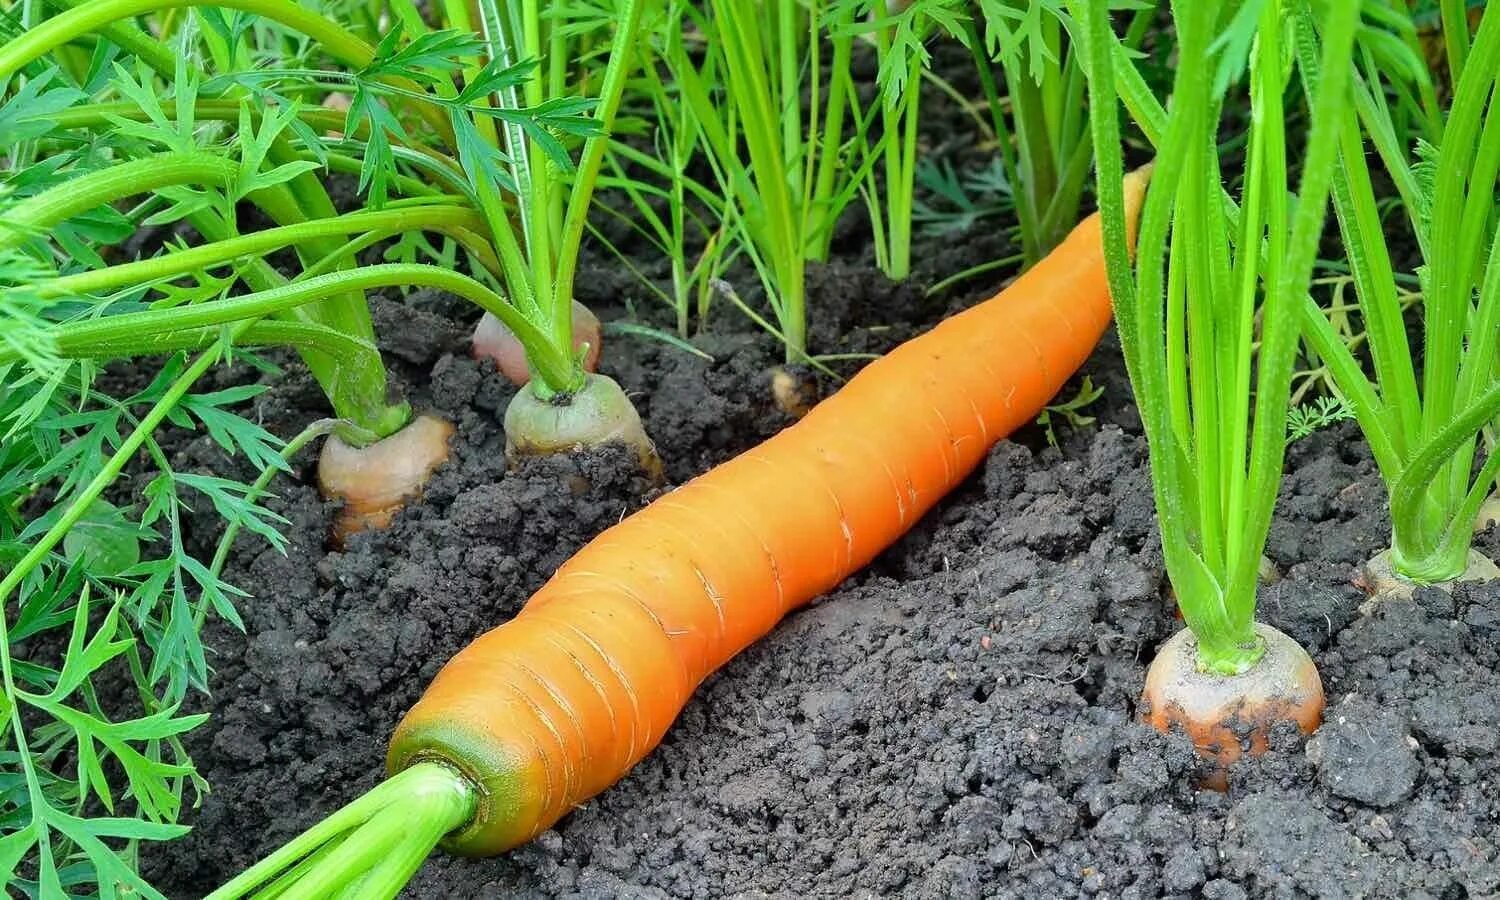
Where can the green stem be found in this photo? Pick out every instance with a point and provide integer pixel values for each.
(442, 219)
(78, 195)
(975, 43)
(377, 841)
(1410, 499)
(582, 194)
(290, 296)
(349, 353)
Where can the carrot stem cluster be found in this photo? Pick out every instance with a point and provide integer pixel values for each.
(370, 848)
(1212, 401)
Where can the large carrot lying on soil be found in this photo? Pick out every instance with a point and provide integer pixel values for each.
(560, 702)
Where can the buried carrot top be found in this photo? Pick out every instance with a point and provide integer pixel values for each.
(1214, 411)
(554, 706)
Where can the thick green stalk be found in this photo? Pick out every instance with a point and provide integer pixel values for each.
(359, 395)
(1197, 455)
(288, 297)
(368, 849)
(97, 14)
(35, 215)
(1455, 18)
(612, 87)
(1009, 165)
(349, 353)
(830, 137)
(1447, 301)
(386, 223)
(1037, 173)
(1281, 319)
(1428, 551)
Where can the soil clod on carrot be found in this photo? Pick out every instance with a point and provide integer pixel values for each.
(1226, 716)
(1381, 581)
(374, 482)
(795, 390)
(599, 413)
(492, 340)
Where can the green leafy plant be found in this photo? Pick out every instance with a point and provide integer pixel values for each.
(773, 131)
(149, 135)
(96, 592)
(1212, 402)
(1205, 270)
(1071, 410)
(958, 201)
(900, 33)
(1308, 418)
(679, 216)
(1037, 110)
(1424, 429)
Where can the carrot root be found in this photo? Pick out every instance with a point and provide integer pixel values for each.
(597, 414)
(794, 390)
(555, 705)
(492, 340)
(1379, 579)
(1489, 513)
(374, 482)
(1228, 716)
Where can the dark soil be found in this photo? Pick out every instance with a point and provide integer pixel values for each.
(956, 721)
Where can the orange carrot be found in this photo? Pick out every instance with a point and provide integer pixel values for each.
(554, 706)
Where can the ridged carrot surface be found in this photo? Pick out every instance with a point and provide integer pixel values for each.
(554, 706)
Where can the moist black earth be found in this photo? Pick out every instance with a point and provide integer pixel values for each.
(955, 721)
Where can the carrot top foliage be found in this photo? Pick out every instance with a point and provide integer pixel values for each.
(1205, 272)
(1424, 422)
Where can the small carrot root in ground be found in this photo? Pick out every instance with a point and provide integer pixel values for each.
(374, 482)
(557, 704)
(492, 340)
(1227, 716)
(1379, 578)
(597, 413)
(794, 389)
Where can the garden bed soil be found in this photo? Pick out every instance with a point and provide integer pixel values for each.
(958, 720)
(955, 721)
